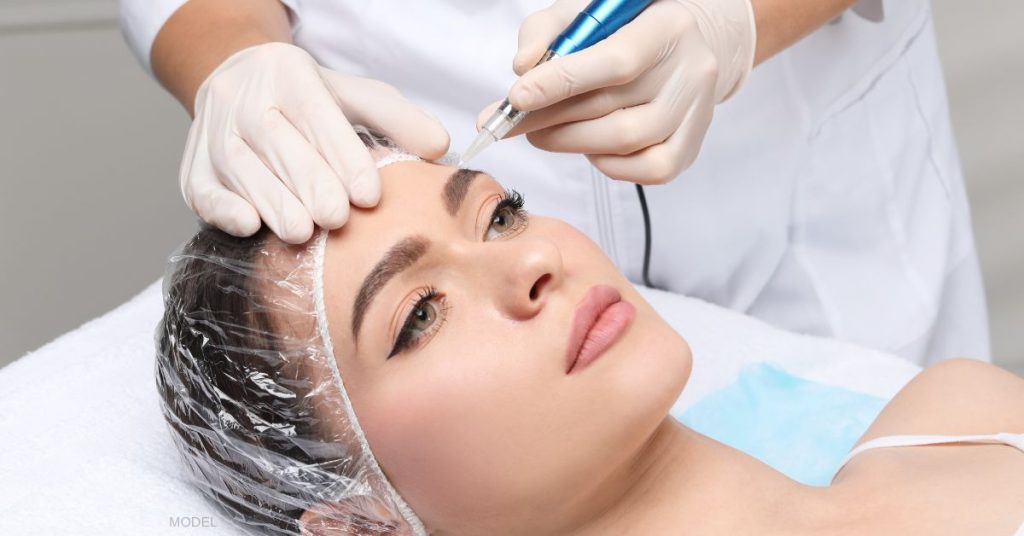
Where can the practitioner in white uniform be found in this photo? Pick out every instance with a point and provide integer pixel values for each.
(826, 198)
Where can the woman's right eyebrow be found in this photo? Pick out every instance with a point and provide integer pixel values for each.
(407, 251)
(402, 255)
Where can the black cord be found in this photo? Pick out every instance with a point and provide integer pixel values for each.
(647, 235)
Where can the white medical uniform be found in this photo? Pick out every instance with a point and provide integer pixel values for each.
(827, 199)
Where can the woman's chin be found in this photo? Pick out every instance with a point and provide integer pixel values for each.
(651, 368)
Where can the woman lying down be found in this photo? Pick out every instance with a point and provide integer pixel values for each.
(446, 364)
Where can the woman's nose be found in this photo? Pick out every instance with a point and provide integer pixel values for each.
(532, 270)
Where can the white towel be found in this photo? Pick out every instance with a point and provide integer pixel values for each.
(724, 341)
(84, 449)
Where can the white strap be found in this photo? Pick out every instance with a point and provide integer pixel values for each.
(396, 156)
(1013, 440)
(319, 252)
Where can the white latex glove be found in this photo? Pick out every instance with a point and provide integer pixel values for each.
(639, 102)
(272, 138)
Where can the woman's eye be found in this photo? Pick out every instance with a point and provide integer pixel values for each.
(508, 215)
(423, 316)
(423, 321)
(503, 220)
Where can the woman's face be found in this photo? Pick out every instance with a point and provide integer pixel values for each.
(455, 353)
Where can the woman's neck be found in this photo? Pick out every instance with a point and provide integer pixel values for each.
(682, 481)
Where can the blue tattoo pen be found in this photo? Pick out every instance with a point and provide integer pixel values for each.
(598, 20)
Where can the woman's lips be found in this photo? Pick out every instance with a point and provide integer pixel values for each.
(600, 319)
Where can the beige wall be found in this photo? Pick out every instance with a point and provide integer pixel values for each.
(982, 50)
(89, 147)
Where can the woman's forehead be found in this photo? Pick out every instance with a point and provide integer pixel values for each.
(417, 197)
(410, 190)
(419, 200)
(426, 175)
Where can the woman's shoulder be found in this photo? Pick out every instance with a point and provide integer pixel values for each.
(954, 397)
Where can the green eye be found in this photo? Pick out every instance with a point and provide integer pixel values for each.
(423, 321)
(508, 215)
(503, 220)
(423, 316)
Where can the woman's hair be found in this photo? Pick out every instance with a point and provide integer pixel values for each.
(233, 372)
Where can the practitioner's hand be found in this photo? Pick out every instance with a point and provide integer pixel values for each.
(272, 139)
(639, 102)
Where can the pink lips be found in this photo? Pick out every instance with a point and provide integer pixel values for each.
(600, 319)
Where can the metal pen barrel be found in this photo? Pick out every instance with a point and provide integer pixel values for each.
(597, 21)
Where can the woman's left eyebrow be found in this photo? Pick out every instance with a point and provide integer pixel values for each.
(456, 188)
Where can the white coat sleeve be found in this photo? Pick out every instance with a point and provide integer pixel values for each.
(141, 20)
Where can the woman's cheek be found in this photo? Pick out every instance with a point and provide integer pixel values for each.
(420, 405)
(430, 436)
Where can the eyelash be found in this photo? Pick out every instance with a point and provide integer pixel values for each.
(406, 339)
(510, 199)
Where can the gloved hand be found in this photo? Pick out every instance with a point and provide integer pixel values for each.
(639, 102)
(272, 139)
